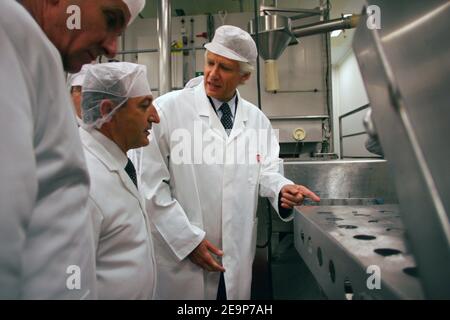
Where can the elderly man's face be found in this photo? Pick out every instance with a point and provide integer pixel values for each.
(102, 22)
(222, 76)
(133, 122)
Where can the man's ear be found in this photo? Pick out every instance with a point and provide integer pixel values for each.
(106, 106)
(245, 77)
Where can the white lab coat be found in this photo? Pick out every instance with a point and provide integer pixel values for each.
(187, 202)
(46, 240)
(125, 256)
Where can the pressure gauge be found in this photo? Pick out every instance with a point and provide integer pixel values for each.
(299, 134)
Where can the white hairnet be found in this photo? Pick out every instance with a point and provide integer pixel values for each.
(135, 7)
(115, 81)
(77, 79)
(233, 43)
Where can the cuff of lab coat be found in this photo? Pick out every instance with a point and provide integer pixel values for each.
(285, 214)
(188, 248)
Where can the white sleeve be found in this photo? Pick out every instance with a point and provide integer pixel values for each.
(18, 180)
(97, 219)
(271, 181)
(164, 211)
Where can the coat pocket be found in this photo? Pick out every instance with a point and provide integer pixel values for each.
(253, 172)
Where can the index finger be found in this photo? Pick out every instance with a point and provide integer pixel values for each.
(309, 194)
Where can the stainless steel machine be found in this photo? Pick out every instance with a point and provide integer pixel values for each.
(382, 229)
(354, 242)
(406, 69)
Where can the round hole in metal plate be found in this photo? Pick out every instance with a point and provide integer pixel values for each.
(361, 215)
(347, 226)
(364, 237)
(334, 219)
(386, 252)
(302, 236)
(332, 271)
(348, 289)
(319, 256)
(411, 271)
(309, 245)
(324, 212)
(394, 229)
(373, 221)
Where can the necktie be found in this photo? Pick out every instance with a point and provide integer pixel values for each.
(131, 171)
(227, 117)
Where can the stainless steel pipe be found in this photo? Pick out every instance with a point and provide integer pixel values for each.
(328, 26)
(164, 39)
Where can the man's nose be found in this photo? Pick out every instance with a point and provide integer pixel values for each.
(110, 46)
(153, 115)
(214, 71)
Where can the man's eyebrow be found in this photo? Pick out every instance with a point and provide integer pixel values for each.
(147, 99)
(226, 66)
(119, 16)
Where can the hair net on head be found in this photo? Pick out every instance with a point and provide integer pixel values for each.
(233, 43)
(135, 7)
(117, 82)
(77, 79)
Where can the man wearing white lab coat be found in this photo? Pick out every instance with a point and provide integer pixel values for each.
(117, 116)
(46, 245)
(201, 206)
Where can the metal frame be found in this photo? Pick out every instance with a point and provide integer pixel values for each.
(267, 10)
(312, 117)
(419, 161)
(342, 137)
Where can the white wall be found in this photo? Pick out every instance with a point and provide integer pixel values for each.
(349, 94)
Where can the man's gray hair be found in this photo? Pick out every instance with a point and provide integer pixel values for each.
(245, 67)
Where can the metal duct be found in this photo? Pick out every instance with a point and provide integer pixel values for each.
(164, 39)
(328, 26)
(274, 35)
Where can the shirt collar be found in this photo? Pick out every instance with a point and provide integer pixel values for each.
(111, 147)
(231, 103)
